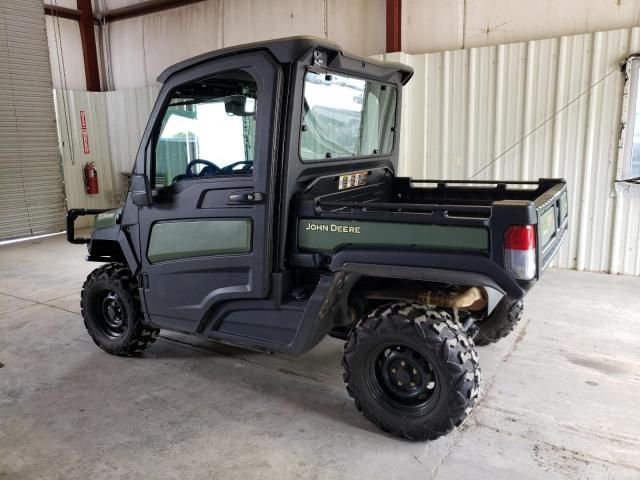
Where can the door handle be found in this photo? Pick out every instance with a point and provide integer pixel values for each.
(251, 197)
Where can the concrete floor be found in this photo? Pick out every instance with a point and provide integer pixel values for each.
(560, 396)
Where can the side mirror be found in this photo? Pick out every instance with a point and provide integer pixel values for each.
(140, 190)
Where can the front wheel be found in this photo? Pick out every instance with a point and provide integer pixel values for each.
(112, 313)
(412, 371)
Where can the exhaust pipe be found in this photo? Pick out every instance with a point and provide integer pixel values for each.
(471, 298)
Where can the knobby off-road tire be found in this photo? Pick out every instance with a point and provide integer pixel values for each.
(112, 313)
(412, 371)
(500, 323)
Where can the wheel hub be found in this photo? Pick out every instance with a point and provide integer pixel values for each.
(403, 373)
(114, 318)
(402, 377)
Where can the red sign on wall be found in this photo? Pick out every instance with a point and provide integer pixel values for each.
(85, 142)
(85, 135)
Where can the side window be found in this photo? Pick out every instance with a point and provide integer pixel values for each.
(629, 167)
(207, 130)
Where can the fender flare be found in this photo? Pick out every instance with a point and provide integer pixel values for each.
(462, 269)
(118, 239)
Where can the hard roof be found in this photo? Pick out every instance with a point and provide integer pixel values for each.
(285, 50)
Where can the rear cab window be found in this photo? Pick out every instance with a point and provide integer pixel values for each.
(346, 117)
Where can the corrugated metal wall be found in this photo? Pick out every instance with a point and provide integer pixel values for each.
(127, 115)
(140, 48)
(114, 125)
(563, 96)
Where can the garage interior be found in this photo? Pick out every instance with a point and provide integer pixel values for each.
(500, 91)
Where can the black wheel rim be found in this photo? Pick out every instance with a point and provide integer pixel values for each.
(402, 378)
(112, 314)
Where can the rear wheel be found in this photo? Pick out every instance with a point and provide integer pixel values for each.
(112, 313)
(500, 323)
(413, 372)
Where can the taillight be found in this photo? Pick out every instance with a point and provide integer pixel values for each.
(520, 251)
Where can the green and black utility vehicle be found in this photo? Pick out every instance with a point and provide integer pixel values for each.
(264, 211)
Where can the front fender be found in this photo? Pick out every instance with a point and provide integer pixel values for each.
(110, 244)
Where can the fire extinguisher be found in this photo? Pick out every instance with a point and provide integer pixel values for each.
(91, 178)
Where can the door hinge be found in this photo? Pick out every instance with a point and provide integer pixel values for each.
(144, 280)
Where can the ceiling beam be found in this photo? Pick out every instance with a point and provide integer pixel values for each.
(144, 8)
(62, 12)
(131, 11)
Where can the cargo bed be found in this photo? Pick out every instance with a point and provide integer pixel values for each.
(447, 216)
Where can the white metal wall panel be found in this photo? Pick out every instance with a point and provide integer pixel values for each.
(115, 122)
(69, 104)
(31, 193)
(140, 48)
(554, 106)
(127, 115)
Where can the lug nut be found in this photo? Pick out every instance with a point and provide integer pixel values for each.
(399, 384)
(415, 372)
(393, 370)
(402, 363)
(412, 384)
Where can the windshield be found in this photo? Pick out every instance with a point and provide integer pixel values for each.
(346, 117)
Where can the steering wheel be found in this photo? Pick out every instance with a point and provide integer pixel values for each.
(247, 168)
(209, 169)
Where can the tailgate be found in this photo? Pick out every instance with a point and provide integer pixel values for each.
(552, 208)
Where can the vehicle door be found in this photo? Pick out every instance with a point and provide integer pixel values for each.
(206, 236)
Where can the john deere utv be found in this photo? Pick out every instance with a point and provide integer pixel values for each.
(264, 211)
